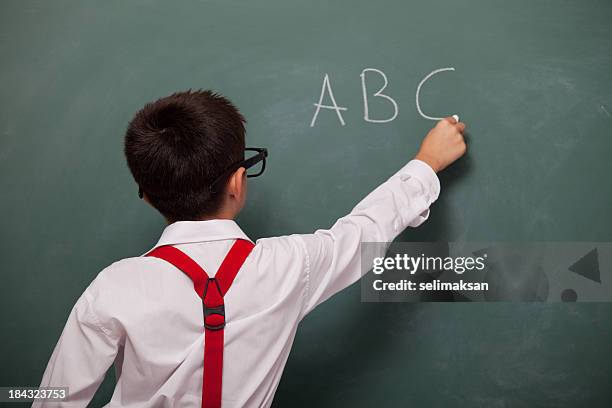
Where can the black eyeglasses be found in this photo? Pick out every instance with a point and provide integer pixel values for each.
(251, 164)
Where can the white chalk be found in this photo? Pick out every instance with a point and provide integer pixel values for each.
(456, 118)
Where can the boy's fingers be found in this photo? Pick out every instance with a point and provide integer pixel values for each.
(451, 120)
(460, 127)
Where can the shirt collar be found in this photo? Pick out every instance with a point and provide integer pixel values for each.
(183, 232)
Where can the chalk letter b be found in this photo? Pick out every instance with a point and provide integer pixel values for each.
(366, 108)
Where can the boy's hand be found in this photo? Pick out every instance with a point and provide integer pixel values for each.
(443, 144)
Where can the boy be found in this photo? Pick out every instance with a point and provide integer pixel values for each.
(181, 336)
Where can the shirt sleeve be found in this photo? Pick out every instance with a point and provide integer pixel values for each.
(334, 255)
(83, 354)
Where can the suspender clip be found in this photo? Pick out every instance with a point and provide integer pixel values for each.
(214, 316)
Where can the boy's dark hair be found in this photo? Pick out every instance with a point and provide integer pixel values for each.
(178, 145)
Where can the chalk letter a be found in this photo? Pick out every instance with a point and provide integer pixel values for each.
(320, 105)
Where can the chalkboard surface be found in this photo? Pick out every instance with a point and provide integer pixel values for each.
(531, 79)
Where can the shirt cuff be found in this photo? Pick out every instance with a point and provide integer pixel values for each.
(426, 176)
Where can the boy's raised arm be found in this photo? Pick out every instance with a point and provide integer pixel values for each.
(334, 257)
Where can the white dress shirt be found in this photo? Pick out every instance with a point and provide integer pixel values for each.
(143, 314)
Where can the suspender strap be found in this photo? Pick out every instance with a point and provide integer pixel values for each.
(179, 259)
(211, 291)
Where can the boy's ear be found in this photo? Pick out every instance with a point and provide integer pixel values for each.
(237, 182)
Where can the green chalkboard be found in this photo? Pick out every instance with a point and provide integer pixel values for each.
(532, 79)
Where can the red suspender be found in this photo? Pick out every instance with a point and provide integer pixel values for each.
(211, 290)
